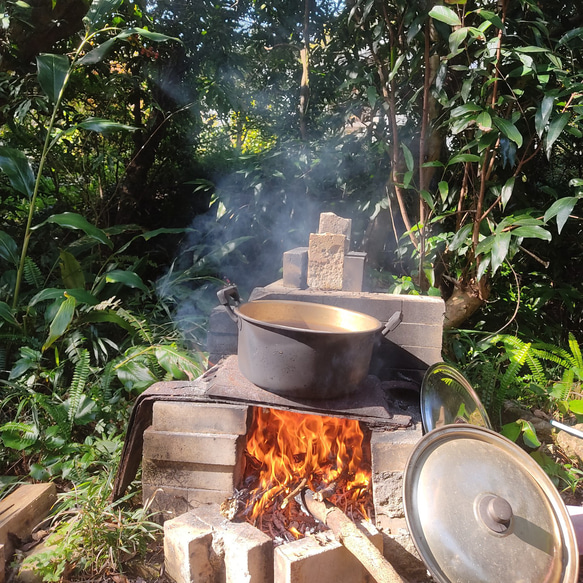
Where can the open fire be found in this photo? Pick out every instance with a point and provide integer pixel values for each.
(287, 452)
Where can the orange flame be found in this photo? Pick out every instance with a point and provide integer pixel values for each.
(287, 447)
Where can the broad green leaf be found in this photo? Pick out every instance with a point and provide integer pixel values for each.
(457, 37)
(372, 95)
(178, 364)
(533, 232)
(7, 314)
(98, 54)
(511, 430)
(100, 13)
(500, 250)
(134, 374)
(543, 114)
(461, 237)
(29, 359)
(466, 108)
(153, 36)
(531, 49)
(483, 267)
(443, 190)
(444, 14)
(86, 411)
(164, 231)
(576, 406)
(463, 158)
(75, 221)
(561, 209)
(485, 245)
(71, 271)
(408, 157)
(529, 433)
(8, 248)
(19, 436)
(106, 316)
(573, 33)
(104, 126)
(52, 293)
(555, 129)
(17, 167)
(52, 72)
(61, 321)
(129, 278)
(509, 130)
(491, 17)
(484, 121)
(507, 191)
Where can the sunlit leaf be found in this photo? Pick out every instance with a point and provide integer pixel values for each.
(98, 54)
(461, 237)
(52, 72)
(561, 209)
(129, 278)
(177, 363)
(511, 431)
(543, 114)
(104, 126)
(100, 12)
(532, 232)
(499, 250)
(61, 321)
(507, 191)
(509, 130)
(444, 14)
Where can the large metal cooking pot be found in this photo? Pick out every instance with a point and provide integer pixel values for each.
(302, 349)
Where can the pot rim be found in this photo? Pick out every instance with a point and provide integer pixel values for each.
(375, 325)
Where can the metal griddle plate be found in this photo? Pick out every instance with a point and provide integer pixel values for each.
(481, 510)
(448, 398)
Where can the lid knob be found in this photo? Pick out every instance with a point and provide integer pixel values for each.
(495, 512)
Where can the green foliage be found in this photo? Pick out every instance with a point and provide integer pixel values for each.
(92, 535)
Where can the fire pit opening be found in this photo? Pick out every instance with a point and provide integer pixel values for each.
(287, 452)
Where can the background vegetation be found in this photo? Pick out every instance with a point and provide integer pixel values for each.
(152, 150)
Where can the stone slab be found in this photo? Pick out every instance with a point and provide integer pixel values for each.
(322, 558)
(205, 418)
(326, 261)
(187, 475)
(202, 448)
(332, 223)
(295, 268)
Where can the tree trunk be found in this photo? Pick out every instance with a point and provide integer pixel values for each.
(463, 302)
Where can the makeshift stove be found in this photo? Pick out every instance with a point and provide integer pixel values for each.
(198, 442)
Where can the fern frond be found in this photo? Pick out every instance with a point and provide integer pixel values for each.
(107, 376)
(517, 360)
(32, 274)
(74, 346)
(55, 411)
(575, 350)
(536, 368)
(80, 376)
(140, 326)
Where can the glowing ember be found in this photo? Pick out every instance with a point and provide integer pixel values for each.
(289, 451)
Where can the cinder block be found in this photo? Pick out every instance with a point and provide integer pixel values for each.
(185, 417)
(295, 268)
(332, 223)
(390, 451)
(321, 558)
(416, 334)
(168, 502)
(423, 309)
(193, 476)
(326, 261)
(202, 448)
(354, 268)
(248, 552)
(188, 549)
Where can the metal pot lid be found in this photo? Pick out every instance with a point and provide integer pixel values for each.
(480, 510)
(448, 398)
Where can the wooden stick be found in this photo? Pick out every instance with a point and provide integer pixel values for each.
(353, 539)
(294, 492)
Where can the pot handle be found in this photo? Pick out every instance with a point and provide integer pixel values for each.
(226, 296)
(392, 323)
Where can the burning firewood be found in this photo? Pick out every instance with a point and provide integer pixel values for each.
(294, 492)
(352, 538)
